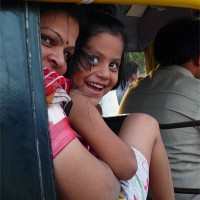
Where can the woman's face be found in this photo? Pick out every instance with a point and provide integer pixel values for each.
(58, 36)
(104, 51)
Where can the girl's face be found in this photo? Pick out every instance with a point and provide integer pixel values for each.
(104, 51)
(58, 36)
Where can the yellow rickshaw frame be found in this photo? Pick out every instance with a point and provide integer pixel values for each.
(194, 4)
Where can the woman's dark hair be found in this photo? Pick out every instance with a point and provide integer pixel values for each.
(69, 8)
(177, 42)
(98, 22)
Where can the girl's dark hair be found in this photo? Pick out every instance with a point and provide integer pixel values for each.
(177, 42)
(99, 22)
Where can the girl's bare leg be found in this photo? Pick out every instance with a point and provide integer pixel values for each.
(142, 132)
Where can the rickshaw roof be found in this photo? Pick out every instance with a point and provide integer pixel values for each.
(195, 4)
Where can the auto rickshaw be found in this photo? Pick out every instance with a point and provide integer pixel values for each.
(26, 162)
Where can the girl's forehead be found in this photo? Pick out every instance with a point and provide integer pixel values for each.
(104, 37)
(106, 44)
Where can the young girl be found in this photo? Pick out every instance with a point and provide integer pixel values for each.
(98, 67)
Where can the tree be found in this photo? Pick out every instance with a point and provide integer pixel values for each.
(138, 58)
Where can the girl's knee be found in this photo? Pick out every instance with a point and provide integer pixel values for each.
(144, 124)
(145, 119)
(142, 132)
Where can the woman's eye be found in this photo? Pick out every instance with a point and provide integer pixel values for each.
(67, 55)
(93, 60)
(45, 39)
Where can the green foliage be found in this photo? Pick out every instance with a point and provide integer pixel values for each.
(138, 58)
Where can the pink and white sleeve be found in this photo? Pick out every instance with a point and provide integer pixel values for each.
(61, 132)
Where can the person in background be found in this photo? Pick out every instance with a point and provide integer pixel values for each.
(98, 66)
(134, 74)
(78, 173)
(109, 104)
(171, 93)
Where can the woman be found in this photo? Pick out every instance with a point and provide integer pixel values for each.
(78, 174)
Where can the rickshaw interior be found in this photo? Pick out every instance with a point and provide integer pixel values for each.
(24, 130)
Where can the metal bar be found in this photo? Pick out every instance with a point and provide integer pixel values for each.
(187, 190)
(115, 123)
(180, 125)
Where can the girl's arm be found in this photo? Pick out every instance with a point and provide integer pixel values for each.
(87, 121)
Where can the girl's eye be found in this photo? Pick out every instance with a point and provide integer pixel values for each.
(93, 60)
(114, 66)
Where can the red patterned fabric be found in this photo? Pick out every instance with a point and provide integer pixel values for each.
(53, 80)
(57, 87)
